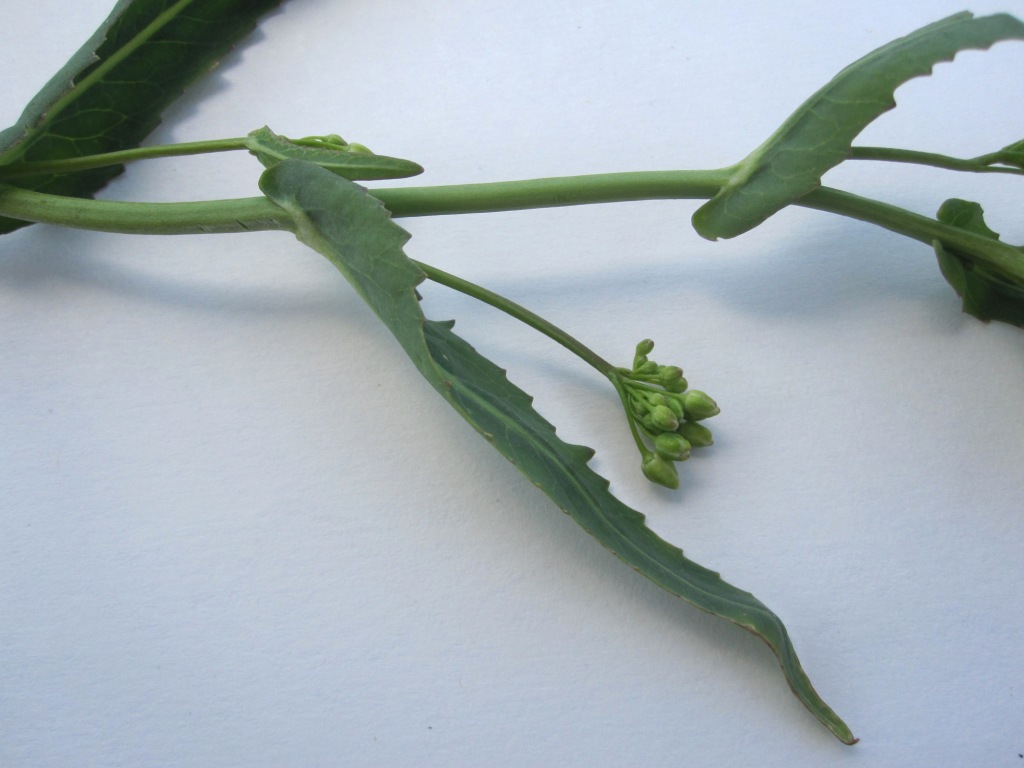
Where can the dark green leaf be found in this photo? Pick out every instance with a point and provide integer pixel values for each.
(818, 135)
(986, 294)
(354, 231)
(111, 93)
(271, 149)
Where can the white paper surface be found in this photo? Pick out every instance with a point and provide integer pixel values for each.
(237, 529)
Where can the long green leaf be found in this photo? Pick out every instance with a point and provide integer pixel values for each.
(111, 93)
(818, 135)
(354, 231)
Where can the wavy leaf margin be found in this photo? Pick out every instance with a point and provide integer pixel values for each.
(110, 94)
(819, 134)
(355, 232)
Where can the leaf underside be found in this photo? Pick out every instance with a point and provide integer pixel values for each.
(986, 295)
(355, 232)
(819, 134)
(111, 93)
(272, 148)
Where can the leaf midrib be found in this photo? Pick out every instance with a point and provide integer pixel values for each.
(97, 75)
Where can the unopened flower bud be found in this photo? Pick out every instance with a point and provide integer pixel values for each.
(659, 470)
(696, 434)
(675, 405)
(699, 406)
(645, 347)
(670, 373)
(676, 387)
(672, 446)
(663, 418)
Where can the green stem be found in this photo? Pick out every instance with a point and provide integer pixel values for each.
(88, 162)
(257, 213)
(983, 164)
(522, 314)
(552, 192)
(247, 214)
(999, 255)
(620, 389)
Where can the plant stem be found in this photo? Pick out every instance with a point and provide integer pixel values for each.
(620, 389)
(552, 192)
(522, 314)
(248, 214)
(259, 213)
(88, 162)
(983, 164)
(1008, 260)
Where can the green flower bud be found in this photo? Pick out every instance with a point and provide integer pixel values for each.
(670, 373)
(649, 367)
(671, 446)
(676, 387)
(699, 406)
(675, 405)
(663, 418)
(330, 141)
(696, 434)
(656, 399)
(645, 347)
(659, 470)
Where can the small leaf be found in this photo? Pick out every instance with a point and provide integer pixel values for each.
(111, 93)
(355, 232)
(987, 295)
(271, 148)
(819, 134)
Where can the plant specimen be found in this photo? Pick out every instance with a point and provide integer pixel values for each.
(91, 118)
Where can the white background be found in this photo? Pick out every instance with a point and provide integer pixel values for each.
(237, 530)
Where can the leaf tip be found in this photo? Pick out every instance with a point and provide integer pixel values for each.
(702, 222)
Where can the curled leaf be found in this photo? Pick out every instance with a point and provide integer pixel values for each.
(986, 293)
(818, 135)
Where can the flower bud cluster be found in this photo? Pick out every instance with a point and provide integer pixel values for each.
(332, 141)
(664, 414)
